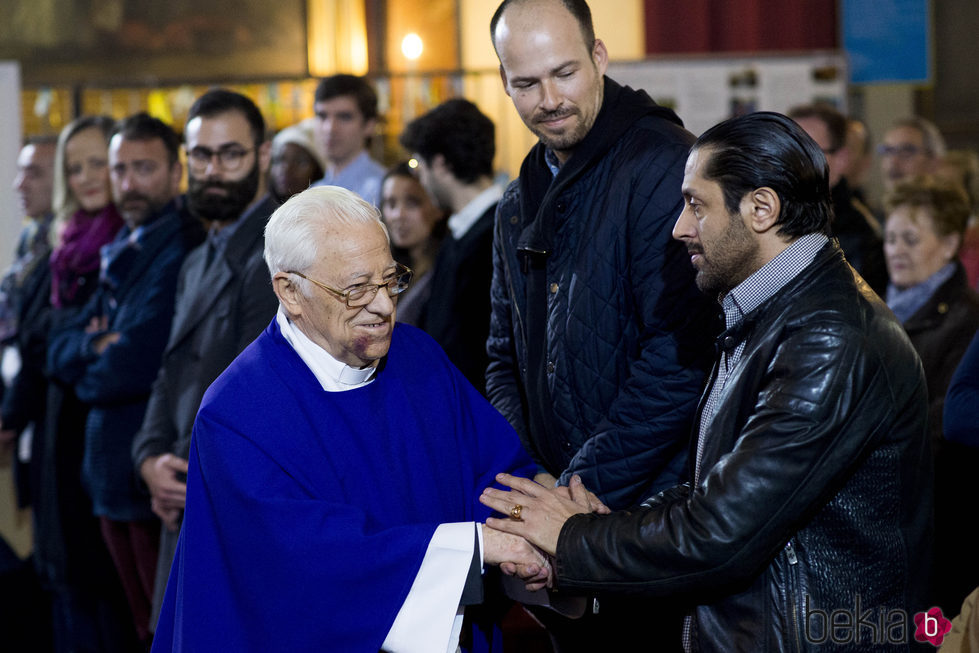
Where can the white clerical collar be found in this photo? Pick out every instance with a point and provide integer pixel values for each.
(461, 222)
(333, 375)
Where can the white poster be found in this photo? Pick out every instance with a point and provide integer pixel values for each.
(704, 91)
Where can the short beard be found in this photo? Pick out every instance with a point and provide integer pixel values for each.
(217, 208)
(565, 142)
(734, 258)
(142, 216)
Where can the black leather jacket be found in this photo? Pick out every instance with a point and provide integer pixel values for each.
(815, 491)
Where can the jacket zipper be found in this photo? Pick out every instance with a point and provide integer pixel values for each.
(791, 594)
(513, 298)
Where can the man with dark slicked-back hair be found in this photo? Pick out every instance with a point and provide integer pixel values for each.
(808, 498)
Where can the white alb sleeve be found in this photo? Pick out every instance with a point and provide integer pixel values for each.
(430, 619)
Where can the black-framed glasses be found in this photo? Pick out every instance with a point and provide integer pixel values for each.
(363, 294)
(230, 157)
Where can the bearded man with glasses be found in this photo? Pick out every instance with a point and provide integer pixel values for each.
(336, 466)
(224, 298)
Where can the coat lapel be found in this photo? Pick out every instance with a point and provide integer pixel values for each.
(199, 293)
(204, 283)
(151, 246)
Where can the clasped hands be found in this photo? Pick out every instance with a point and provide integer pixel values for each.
(99, 325)
(535, 526)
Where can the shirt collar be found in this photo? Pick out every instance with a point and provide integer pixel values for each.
(333, 376)
(550, 158)
(461, 222)
(908, 301)
(771, 277)
(218, 238)
(350, 173)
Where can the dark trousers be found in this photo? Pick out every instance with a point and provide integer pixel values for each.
(134, 547)
(85, 622)
(620, 624)
(25, 612)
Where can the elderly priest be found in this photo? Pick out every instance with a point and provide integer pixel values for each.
(336, 466)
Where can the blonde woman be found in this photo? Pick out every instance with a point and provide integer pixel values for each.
(89, 609)
(85, 217)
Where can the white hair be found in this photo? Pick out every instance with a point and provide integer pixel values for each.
(295, 228)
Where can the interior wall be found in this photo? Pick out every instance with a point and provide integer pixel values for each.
(702, 26)
(336, 35)
(434, 21)
(955, 96)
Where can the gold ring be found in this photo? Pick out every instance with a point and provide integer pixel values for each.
(515, 511)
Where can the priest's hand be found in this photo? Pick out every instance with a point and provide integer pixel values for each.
(516, 556)
(542, 511)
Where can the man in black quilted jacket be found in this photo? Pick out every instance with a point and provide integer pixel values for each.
(598, 336)
(599, 339)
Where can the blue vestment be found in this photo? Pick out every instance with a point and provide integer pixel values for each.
(309, 512)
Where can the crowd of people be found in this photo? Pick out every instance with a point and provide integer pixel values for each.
(694, 386)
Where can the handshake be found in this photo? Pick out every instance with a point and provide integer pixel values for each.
(524, 543)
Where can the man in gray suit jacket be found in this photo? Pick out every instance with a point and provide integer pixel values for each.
(224, 298)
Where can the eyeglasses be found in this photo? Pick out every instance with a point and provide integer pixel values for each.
(900, 151)
(230, 157)
(363, 294)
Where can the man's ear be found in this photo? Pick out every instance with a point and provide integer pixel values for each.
(176, 175)
(369, 129)
(287, 290)
(264, 153)
(599, 55)
(506, 87)
(762, 208)
(439, 165)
